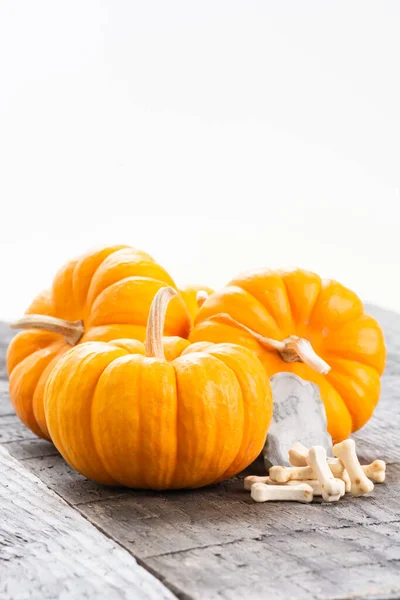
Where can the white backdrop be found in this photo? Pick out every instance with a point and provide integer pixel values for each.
(217, 135)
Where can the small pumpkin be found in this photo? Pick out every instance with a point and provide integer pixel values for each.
(121, 413)
(294, 321)
(194, 297)
(102, 295)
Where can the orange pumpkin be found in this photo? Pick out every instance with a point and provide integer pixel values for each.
(194, 297)
(102, 295)
(122, 413)
(317, 329)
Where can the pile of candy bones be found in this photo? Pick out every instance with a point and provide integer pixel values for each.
(315, 474)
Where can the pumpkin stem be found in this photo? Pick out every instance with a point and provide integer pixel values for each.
(71, 330)
(201, 297)
(300, 350)
(291, 349)
(155, 323)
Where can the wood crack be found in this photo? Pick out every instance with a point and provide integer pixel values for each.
(267, 536)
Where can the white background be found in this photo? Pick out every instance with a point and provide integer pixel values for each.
(216, 135)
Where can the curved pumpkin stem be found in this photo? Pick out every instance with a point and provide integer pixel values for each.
(291, 349)
(201, 297)
(300, 350)
(71, 330)
(155, 322)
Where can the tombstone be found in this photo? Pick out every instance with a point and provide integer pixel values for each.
(299, 416)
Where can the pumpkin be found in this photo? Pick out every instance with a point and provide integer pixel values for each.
(316, 329)
(121, 413)
(194, 297)
(102, 295)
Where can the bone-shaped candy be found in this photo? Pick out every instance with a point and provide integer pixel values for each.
(260, 492)
(346, 452)
(334, 463)
(284, 474)
(375, 470)
(252, 479)
(314, 483)
(298, 456)
(332, 489)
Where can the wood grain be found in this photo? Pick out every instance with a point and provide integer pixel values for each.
(60, 477)
(349, 562)
(5, 404)
(11, 430)
(31, 448)
(6, 335)
(49, 551)
(215, 543)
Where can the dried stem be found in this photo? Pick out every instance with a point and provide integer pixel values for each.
(71, 330)
(291, 349)
(155, 322)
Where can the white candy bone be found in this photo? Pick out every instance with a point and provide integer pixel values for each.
(346, 452)
(375, 470)
(344, 477)
(298, 457)
(314, 483)
(252, 479)
(260, 492)
(332, 489)
(284, 474)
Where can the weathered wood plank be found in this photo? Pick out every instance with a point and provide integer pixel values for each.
(48, 550)
(12, 430)
(31, 448)
(6, 334)
(21, 442)
(60, 477)
(179, 521)
(349, 562)
(6, 407)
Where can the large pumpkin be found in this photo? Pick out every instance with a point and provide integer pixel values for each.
(122, 413)
(102, 295)
(276, 314)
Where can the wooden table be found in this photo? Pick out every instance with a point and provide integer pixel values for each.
(62, 536)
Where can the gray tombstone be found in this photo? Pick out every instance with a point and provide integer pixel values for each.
(299, 416)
